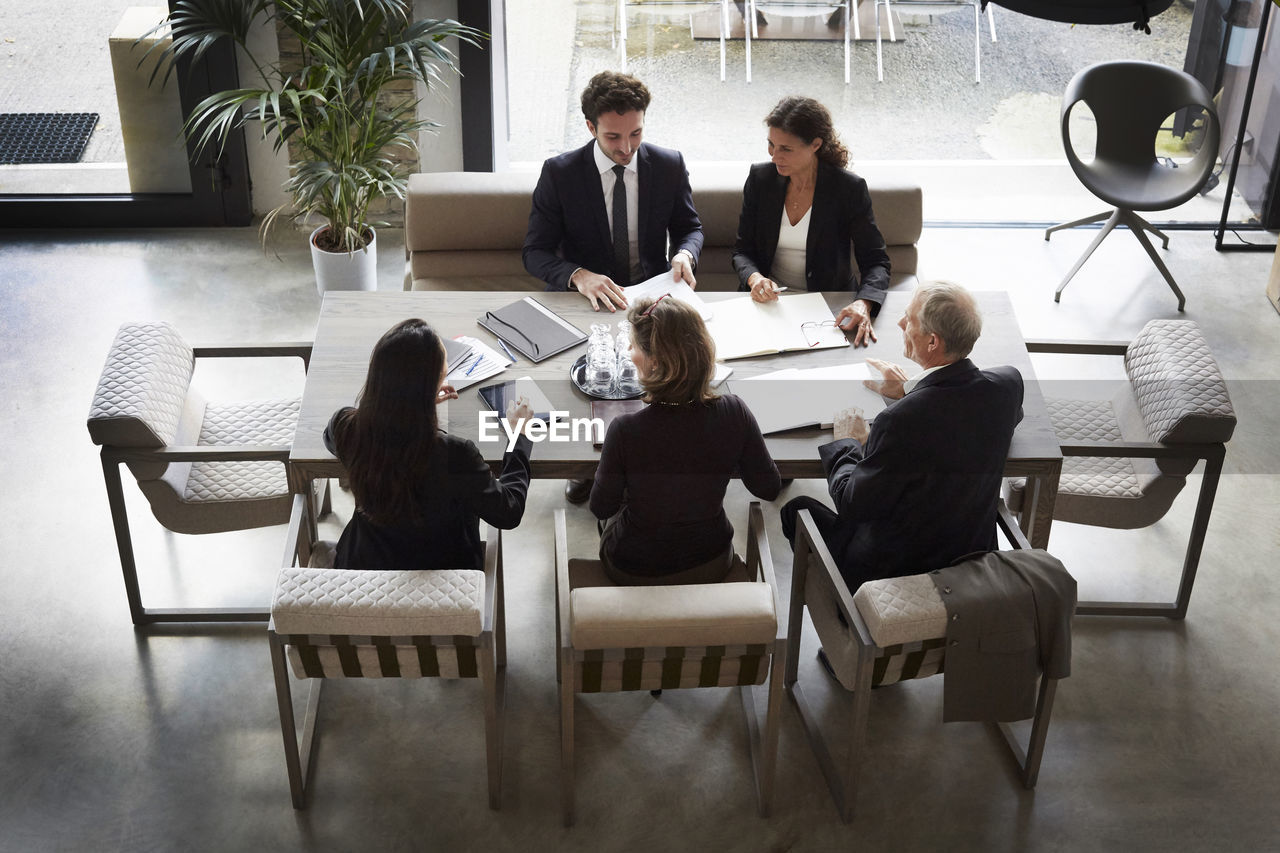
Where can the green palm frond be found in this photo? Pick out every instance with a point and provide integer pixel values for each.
(329, 108)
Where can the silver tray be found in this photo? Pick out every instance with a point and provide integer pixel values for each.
(578, 373)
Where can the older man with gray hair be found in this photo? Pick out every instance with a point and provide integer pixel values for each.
(917, 489)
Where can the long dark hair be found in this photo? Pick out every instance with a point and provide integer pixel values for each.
(809, 120)
(386, 441)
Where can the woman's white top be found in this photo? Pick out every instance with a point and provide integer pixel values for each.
(788, 260)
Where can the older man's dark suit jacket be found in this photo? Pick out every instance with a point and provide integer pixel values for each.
(841, 214)
(569, 228)
(923, 491)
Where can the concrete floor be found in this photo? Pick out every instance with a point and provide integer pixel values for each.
(1164, 737)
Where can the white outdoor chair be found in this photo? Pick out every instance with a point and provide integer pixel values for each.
(669, 8)
(932, 6)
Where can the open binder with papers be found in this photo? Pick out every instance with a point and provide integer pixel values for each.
(791, 399)
(663, 285)
(743, 328)
(532, 329)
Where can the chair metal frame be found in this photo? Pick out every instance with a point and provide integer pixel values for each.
(842, 777)
(1213, 455)
(763, 743)
(491, 656)
(114, 457)
(977, 29)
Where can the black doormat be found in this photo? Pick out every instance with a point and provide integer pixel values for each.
(44, 137)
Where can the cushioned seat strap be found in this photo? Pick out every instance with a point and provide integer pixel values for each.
(905, 661)
(670, 667)
(306, 649)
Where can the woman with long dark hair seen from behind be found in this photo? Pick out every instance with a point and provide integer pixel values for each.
(420, 493)
(663, 470)
(802, 212)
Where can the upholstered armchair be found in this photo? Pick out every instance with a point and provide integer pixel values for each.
(1126, 459)
(613, 638)
(368, 623)
(204, 466)
(886, 632)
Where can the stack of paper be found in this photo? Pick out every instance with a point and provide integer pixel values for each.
(481, 362)
(790, 399)
(802, 321)
(662, 284)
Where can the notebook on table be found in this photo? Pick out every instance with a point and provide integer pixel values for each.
(798, 398)
(532, 329)
(456, 353)
(743, 328)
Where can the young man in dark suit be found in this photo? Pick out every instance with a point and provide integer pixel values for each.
(603, 214)
(918, 488)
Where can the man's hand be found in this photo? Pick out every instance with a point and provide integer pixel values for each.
(856, 317)
(763, 289)
(893, 378)
(600, 289)
(446, 392)
(849, 423)
(682, 270)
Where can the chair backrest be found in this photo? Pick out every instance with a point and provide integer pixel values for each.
(140, 395)
(346, 623)
(1130, 101)
(1178, 389)
(144, 396)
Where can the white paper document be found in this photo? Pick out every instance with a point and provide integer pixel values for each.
(481, 363)
(742, 327)
(794, 398)
(662, 283)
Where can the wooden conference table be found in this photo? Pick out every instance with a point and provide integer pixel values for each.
(351, 323)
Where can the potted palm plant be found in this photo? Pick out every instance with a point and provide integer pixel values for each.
(347, 111)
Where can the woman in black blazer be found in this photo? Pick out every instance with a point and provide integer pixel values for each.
(420, 492)
(663, 470)
(800, 213)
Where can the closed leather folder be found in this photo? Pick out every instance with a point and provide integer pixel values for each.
(532, 329)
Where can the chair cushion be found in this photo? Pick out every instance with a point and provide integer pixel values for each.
(1177, 384)
(143, 384)
(378, 603)
(902, 610)
(260, 422)
(605, 617)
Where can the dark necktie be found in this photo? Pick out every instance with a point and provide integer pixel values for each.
(621, 244)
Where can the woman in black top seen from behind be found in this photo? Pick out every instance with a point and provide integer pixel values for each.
(663, 470)
(420, 493)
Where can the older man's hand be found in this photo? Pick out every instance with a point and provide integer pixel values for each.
(849, 423)
(891, 382)
(682, 270)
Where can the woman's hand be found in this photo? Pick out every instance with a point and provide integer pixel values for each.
(856, 317)
(446, 392)
(519, 414)
(763, 289)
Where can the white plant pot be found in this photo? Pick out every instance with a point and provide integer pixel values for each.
(356, 270)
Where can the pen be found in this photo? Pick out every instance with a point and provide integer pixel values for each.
(475, 364)
(506, 349)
